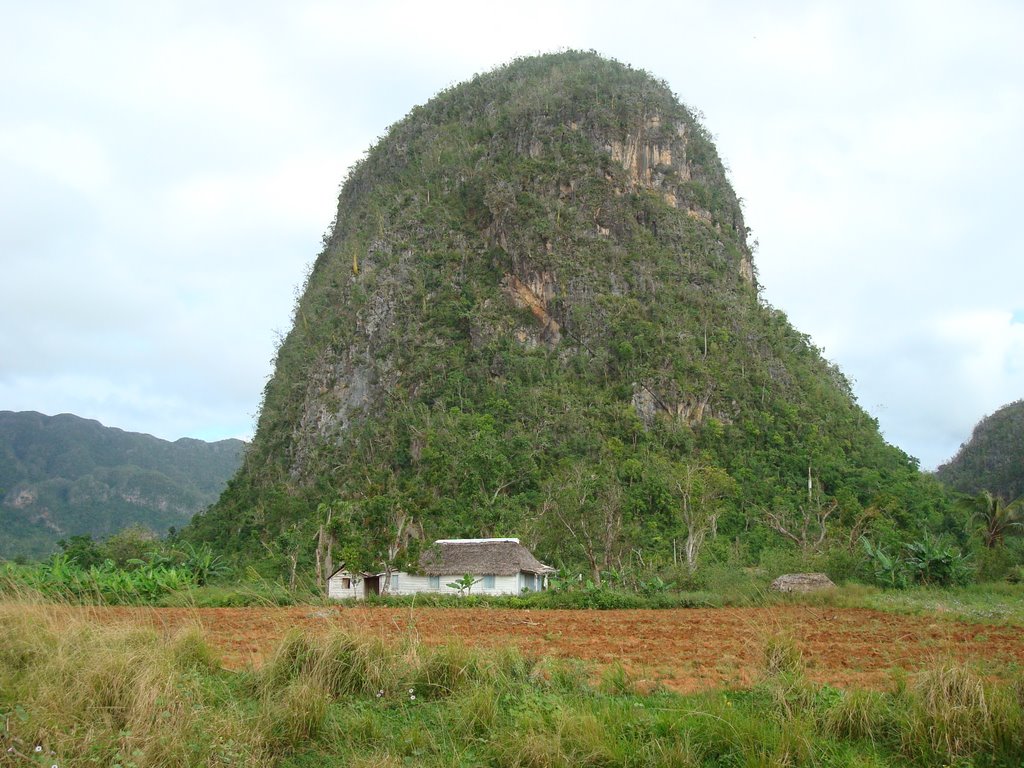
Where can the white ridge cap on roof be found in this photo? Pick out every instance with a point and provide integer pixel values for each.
(472, 541)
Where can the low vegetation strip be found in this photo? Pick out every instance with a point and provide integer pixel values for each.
(74, 692)
(684, 650)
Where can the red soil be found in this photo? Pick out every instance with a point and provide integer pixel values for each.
(687, 650)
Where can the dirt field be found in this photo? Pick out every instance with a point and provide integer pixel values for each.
(686, 650)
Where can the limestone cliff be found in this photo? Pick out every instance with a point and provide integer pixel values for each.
(549, 256)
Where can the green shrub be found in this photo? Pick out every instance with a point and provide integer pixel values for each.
(843, 565)
(292, 717)
(861, 715)
(734, 585)
(597, 598)
(889, 570)
(933, 563)
(995, 563)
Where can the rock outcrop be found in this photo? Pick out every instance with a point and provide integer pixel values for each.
(802, 582)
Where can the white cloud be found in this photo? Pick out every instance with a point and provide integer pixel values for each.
(987, 347)
(297, 193)
(67, 157)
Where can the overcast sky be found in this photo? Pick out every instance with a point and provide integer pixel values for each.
(167, 170)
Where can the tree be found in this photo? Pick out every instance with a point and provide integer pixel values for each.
(325, 542)
(807, 528)
(377, 533)
(291, 543)
(132, 543)
(995, 518)
(700, 490)
(464, 585)
(587, 504)
(485, 469)
(82, 550)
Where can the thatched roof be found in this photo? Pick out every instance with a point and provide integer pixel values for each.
(501, 557)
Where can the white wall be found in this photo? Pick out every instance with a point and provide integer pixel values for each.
(533, 582)
(409, 584)
(335, 590)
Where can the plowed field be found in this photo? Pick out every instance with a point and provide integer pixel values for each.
(686, 650)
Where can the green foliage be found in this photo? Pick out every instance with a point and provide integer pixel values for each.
(128, 567)
(591, 597)
(82, 550)
(463, 585)
(203, 564)
(932, 563)
(993, 459)
(889, 570)
(130, 546)
(544, 339)
(927, 562)
(61, 579)
(995, 519)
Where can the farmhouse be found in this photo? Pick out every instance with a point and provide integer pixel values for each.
(498, 567)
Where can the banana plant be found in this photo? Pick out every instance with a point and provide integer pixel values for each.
(888, 569)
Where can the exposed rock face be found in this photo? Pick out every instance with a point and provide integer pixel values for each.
(536, 296)
(802, 582)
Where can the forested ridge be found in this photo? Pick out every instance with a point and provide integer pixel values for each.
(537, 314)
(63, 476)
(993, 459)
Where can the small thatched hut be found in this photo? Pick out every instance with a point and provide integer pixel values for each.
(497, 566)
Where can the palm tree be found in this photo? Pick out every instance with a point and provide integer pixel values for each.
(997, 518)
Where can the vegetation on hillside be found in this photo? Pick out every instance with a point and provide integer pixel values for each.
(536, 315)
(64, 476)
(993, 459)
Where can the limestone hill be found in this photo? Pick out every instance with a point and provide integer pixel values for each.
(537, 314)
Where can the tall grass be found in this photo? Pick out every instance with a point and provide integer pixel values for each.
(99, 694)
(95, 694)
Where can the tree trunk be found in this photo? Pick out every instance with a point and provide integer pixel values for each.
(694, 538)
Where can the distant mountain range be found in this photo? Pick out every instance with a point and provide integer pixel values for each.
(65, 475)
(993, 459)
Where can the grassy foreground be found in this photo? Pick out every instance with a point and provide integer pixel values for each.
(78, 694)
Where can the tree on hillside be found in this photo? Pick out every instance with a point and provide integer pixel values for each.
(995, 518)
(807, 527)
(701, 490)
(587, 505)
(373, 534)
